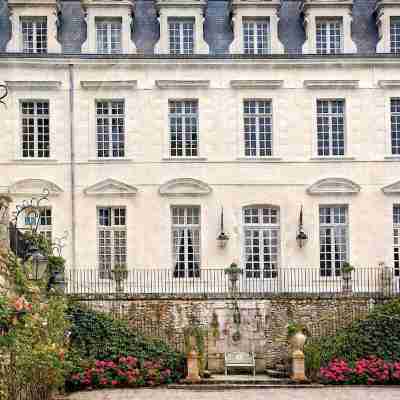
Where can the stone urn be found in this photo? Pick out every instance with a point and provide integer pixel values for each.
(298, 340)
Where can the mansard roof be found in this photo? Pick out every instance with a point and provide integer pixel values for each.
(218, 30)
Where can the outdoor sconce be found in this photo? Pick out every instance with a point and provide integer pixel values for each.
(301, 236)
(39, 263)
(222, 237)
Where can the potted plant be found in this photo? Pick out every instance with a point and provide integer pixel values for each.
(233, 272)
(297, 334)
(346, 271)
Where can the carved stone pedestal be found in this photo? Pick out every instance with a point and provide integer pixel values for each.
(298, 367)
(193, 375)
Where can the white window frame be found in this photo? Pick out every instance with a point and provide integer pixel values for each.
(109, 35)
(330, 115)
(182, 22)
(35, 21)
(250, 216)
(395, 126)
(395, 35)
(104, 266)
(328, 22)
(258, 118)
(24, 129)
(264, 39)
(335, 270)
(187, 151)
(183, 220)
(396, 238)
(112, 105)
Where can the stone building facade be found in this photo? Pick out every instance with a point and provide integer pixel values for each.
(145, 119)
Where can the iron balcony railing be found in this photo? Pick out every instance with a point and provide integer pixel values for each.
(214, 282)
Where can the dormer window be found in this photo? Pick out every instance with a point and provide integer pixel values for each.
(328, 27)
(395, 35)
(109, 27)
(34, 26)
(34, 34)
(329, 36)
(108, 35)
(255, 27)
(181, 27)
(256, 36)
(388, 20)
(181, 35)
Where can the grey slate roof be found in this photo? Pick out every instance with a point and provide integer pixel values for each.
(217, 27)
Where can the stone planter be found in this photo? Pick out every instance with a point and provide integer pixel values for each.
(298, 341)
(347, 284)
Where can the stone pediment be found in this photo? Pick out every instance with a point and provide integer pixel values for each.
(333, 186)
(34, 187)
(111, 187)
(185, 187)
(393, 188)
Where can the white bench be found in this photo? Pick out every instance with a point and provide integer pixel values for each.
(240, 359)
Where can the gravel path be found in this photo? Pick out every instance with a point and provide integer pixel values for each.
(329, 393)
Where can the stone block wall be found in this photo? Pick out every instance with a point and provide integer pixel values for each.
(263, 323)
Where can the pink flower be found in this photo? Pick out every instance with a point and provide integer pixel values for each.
(114, 382)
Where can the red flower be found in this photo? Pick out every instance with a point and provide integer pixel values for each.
(114, 382)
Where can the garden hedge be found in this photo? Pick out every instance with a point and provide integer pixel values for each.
(377, 335)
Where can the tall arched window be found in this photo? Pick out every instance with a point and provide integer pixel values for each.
(261, 241)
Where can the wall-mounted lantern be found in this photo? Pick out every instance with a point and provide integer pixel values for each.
(222, 237)
(39, 263)
(301, 236)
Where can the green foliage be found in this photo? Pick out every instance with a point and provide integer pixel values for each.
(194, 340)
(98, 336)
(33, 332)
(377, 335)
(55, 264)
(293, 327)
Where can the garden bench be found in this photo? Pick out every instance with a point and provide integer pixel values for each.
(240, 359)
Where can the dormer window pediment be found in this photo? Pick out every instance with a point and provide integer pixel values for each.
(109, 27)
(255, 27)
(181, 27)
(327, 25)
(111, 188)
(34, 26)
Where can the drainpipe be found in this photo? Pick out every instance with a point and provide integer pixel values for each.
(72, 162)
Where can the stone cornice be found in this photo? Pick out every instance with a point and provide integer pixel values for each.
(177, 84)
(331, 84)
(107, 3)
(41, 85)
(32, 3)
(180, 4)
(389, 84)
(259, 4)
(307, 4)
(108, 84)
(256, 84)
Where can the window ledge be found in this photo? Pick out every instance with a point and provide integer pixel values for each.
(109, 160)
(334, 158)
(392, 158)
(184, 159)
(35, 160)
(259, 159)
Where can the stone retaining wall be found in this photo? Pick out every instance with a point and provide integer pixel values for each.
(263, 325)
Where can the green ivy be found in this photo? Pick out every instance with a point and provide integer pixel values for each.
(98, 336)
(377, 335)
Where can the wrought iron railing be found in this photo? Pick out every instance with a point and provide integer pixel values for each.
(214, 282)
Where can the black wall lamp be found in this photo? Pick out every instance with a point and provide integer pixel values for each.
(301, 236)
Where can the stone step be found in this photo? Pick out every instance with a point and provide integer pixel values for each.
(240, 386)
(277, 373)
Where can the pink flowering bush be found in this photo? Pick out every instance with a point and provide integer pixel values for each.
(123, 372)
(367, 371)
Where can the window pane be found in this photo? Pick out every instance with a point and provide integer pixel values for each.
(108, 35)
(395, 34)
(330, 127)
(183, 125)
(186, 241)
(181, 36)
(329, 36)
(333, 239)
(34, 34)
(261, 241)
(256, 36)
